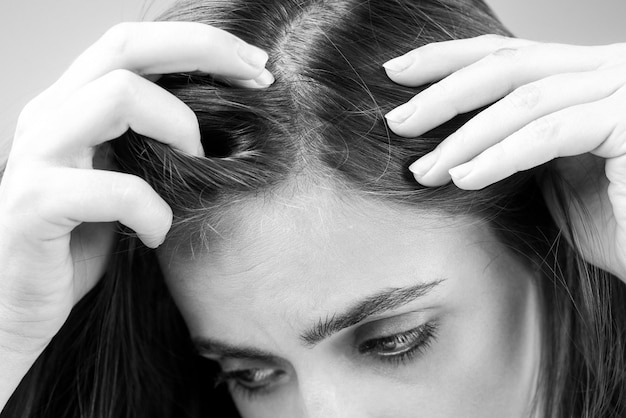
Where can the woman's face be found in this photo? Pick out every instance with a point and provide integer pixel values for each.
(323, 306)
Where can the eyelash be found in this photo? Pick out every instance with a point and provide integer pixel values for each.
(233, 378)
(419, 339)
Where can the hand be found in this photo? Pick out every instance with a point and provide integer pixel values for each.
(556, 101)
(56, 210)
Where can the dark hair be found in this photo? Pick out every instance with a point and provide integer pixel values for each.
(125, 351)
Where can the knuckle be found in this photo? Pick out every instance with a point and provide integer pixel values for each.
(525, 97)
(498, 152)
(117, 38)
(208, 35)
(133, 193)
(27, 116)
(119, 89)
(495, 38)
(121, 83)
(543, 129)
(140, 205)
(459, 140)
(505, 53)
(618, 136)
(132, 190)
(618, 131)
(27, 111)
(444, 88)
(620, 94)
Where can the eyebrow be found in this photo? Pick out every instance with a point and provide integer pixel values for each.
(378, 303)
(375, 304)
(208, 346)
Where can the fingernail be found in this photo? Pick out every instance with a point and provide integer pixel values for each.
(397, 65)
(401, 113)
(252, 55)
(422, 166)
(461, 171)
(266, 79)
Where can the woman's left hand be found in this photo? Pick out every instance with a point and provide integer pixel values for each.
(556, 101)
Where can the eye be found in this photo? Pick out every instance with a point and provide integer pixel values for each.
(402, 346)
(253, 381)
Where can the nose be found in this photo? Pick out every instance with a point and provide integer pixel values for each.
(326, 397)
(320, 401)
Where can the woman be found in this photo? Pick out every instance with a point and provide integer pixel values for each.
(303, 255)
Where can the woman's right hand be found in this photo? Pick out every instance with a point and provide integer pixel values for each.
(56, 210)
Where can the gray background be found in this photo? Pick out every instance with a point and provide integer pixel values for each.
(39, 38)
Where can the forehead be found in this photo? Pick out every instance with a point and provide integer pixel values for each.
(304, 255)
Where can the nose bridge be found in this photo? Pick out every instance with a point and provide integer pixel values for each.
(324, 393)
(319, 400)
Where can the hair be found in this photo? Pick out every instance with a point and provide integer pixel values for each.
(125, 350)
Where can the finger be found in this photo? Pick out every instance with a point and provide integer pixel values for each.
(615, 169)
(265, 80)
(91, 245)
(572, 131)
(107, 108)
(488, 80)
(75, 196)
(437, 60)
(512, 113)
(164, 47)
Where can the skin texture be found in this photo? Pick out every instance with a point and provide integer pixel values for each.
(291, 260)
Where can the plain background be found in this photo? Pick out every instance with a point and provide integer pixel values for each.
(40, 38)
